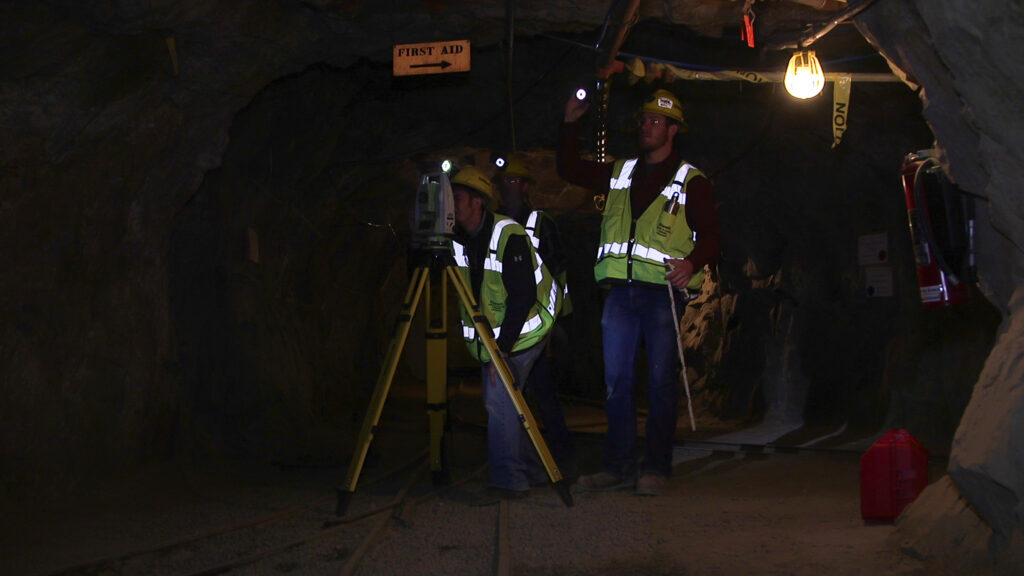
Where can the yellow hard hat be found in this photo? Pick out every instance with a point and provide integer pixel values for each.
(471, 177)
(665, 103)
(515, 166)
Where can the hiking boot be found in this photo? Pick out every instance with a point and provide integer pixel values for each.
(602, 482)
(651, 485)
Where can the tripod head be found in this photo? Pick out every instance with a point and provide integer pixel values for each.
(434, 219)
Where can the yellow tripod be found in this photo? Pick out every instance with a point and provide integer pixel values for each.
(438, 266)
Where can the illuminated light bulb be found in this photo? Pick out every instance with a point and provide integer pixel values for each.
(499, 162)
(804, 78)
(581, 94)
(446, 166)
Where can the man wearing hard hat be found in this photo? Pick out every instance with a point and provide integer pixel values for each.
(659, 227)
(517, 294)
(515, 181)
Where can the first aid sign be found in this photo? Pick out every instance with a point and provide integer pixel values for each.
(431, 58)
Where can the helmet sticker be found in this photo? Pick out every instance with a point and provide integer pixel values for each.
(665, 103)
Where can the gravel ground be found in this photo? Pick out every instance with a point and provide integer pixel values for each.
(725, 513)
(777, 514)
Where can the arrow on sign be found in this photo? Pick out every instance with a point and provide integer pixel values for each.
(442, 64)
(431, 57)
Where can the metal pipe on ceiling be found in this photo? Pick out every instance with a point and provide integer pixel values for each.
(823, 5)
(606, 54)
(821, 29)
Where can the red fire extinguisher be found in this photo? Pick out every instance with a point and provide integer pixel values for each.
(941, 219)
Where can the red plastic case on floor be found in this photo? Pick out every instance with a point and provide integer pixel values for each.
(893, 472)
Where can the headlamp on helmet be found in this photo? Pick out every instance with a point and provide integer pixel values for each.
(515, 167)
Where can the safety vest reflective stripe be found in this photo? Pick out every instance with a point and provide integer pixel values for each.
(639, 251)
(625, 179)
(612, 249)
(460, 255)
(469, 332)
(543, 311)
(496, 234)
(634, 246)
(552, 298)
(675, 189)
(492, 262)
(531, 229)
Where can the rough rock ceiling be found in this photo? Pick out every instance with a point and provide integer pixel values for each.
(776, 23)
(711, 18)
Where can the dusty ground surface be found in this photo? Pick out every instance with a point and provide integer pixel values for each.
(726, 512)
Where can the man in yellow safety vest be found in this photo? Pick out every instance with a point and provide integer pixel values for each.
(517, 294)
(659, 227)
(515, 180)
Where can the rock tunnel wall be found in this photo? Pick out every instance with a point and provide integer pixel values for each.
(208, 249)
(970, 84)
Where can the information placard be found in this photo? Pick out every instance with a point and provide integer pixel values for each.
(431, 58)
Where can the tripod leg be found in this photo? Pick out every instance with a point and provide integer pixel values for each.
(523, 411)
(437, 375)
(380, 391)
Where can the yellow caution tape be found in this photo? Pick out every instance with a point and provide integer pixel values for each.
(840, 107)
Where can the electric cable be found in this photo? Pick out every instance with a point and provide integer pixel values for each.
(465, 135)
(510, 11)
(704, 67)
(286, 513)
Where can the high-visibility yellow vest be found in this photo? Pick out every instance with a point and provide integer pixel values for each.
(634, 249)
(493, 297)
(533, 229)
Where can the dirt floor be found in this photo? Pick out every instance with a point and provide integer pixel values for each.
(728, 511)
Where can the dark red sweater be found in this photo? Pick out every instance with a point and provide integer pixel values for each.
(647, 182)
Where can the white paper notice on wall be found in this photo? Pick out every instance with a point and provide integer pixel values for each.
(873, 249)
(878, 281)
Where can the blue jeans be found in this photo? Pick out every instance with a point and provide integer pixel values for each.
(635, 315)
(512, 460)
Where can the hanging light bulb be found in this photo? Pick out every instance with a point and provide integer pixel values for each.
(804, 78)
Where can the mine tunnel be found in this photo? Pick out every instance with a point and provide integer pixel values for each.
(226, 349)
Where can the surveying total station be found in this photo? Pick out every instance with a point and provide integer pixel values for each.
(433, 225)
